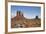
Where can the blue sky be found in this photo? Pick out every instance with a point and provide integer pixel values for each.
(28, 11)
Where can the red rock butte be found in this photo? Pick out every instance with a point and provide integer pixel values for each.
(19, 21)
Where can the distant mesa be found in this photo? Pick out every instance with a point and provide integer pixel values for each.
(36, 17)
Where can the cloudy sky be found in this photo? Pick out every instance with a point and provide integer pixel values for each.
(28, 11)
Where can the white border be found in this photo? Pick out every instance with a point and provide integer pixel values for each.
(23, 29)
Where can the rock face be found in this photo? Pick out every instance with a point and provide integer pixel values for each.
(19, 21)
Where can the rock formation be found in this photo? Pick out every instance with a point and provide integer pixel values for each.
(19, 21)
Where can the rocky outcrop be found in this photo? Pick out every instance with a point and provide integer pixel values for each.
(19, 21)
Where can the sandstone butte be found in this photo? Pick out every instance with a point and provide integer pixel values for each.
(19, 21)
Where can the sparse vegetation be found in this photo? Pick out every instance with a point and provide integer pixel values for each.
(22, 22)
